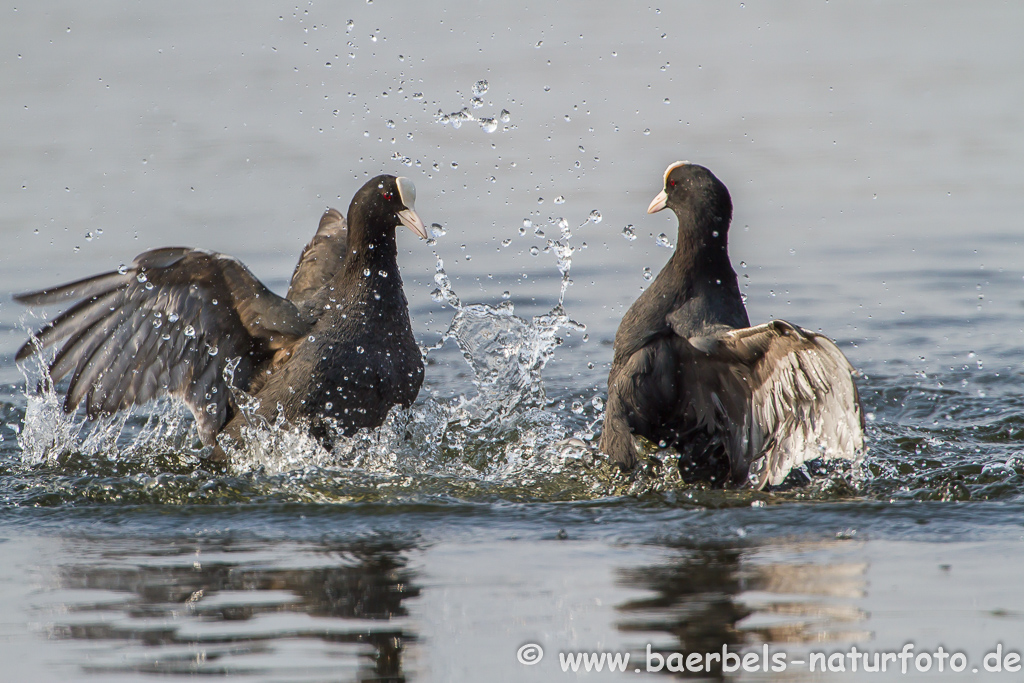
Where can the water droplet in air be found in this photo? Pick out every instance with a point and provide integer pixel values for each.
(382, 273)
(648, 275)
(349, 25)
(628, 232)
(479, 88)
(122, 269)
(141, 277)
(663, 241)
(559, 199)
(595, 216)
(212, 350)
(172, 317)
(504, 116)
(577, 407)
(190, 331)
(390, 124)
(360, 349)
(438, 230)
(489, 125)
(534, 251)
(647, 131)
(476, 103)
(366, 272)
(507, 241)
(506, 294)
(597, 402)
(211, 408)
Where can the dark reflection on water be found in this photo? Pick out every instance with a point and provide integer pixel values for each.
(229, 607)
(742, 597)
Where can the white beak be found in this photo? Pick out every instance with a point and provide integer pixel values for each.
(659, 203)
(412, 220)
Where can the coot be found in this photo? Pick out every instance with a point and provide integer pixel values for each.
(741, 404)
(339, 345)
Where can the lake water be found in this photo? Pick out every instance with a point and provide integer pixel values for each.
(873, 152)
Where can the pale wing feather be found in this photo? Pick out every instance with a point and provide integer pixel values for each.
(803, 400)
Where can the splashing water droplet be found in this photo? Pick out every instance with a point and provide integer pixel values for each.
(366, 272)
(534, 251)
(559, 199)
(190, 331)
(479, 88)
(629, 233)
(437, 230)
(595, 216)
(489, 125)
(663, 241)
(507, 241)
(648, 275)
(504, 116)
(563, 227)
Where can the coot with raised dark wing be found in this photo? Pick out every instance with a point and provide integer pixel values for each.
(339, 345)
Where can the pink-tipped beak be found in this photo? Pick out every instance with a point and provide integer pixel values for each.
(412, 220)
(659, 203)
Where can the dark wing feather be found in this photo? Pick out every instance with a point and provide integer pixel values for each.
(322, 257)
(166, 325)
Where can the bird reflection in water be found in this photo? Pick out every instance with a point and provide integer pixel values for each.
(220, 607)
(742, 597)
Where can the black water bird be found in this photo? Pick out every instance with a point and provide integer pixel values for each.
(339, 345)
(741, 404)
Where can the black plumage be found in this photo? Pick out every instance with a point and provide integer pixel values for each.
(339, 345)
(741, 404)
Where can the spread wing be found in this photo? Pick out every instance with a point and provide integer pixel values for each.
(167, 324)
(768, 397)
(800, 401)
(321, 258)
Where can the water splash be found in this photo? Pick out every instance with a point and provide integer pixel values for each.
(489, 124)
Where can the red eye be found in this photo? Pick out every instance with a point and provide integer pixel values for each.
(388, 196)
(671, 183)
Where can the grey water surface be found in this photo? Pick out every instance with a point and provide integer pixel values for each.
(874, 154)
